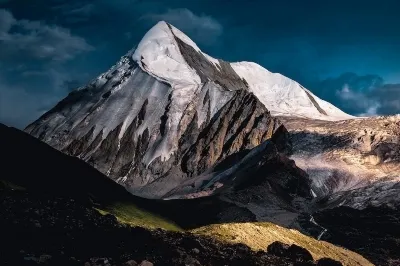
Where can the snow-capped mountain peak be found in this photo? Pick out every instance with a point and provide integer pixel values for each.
(158, 54)
(167, 111)
(165, 53)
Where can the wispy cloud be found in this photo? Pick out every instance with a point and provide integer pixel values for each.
(365, 95)
(27, 39)
(33, 55)
(202, 28)
(359, 100)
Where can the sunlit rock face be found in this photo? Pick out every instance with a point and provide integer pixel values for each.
(356, 162)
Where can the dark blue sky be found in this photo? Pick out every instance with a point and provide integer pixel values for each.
(346, 52)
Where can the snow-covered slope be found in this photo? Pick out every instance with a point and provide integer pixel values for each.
(160, 55)
(283, 96)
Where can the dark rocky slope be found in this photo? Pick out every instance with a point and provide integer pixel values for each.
(372, 232)
(30, 163)
(47, 217)
(272, 181)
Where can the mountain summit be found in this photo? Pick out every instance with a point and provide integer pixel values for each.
(168, 54)
(168, 117)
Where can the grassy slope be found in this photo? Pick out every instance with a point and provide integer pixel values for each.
(260, 235)
(8, 185)
(126, 212)
(255, 235)
(129, 213)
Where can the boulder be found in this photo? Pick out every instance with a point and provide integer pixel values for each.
(298, 253)
(292, 252)
(278, 249)
(130, 263)
(146, 263)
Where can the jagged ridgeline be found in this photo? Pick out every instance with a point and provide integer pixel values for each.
(167, 112)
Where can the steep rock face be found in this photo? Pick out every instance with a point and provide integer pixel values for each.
(141, 129)
(261, 184)
(145, 146)
(243, 123)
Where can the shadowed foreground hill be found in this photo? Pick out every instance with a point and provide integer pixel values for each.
(38, 229)
(49, 215)
(32, 164)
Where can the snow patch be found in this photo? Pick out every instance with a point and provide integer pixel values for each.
(313, 193)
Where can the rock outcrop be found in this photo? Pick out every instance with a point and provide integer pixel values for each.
(293, 252)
